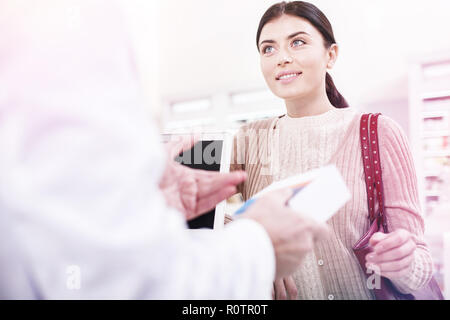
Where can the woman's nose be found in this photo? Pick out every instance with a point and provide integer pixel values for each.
(285, 60)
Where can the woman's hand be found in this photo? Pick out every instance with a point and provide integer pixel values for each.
(393, 254)
(284, 289)
(195, 192)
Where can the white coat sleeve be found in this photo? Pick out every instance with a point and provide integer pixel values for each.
(79, 192)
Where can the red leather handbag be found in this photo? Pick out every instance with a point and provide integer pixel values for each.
(378, 223)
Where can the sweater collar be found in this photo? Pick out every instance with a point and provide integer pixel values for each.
(313, 121)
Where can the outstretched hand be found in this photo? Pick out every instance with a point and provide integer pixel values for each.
(195, 192)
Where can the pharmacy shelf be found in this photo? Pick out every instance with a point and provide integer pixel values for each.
(436, 134)
(435, 114)
(429, 112)
(432, 194)
(437, 154)
(438, 95)
(431, 174)
(219, 110)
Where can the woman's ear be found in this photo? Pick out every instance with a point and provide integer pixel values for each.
(332, 55)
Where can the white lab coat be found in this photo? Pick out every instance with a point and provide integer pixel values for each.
(81, 215)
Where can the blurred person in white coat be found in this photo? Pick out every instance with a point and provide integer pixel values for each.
(90, 205)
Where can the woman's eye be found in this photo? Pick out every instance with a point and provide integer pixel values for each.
(267, 50)
(298, 43)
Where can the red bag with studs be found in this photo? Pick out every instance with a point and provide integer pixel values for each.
(378, 223)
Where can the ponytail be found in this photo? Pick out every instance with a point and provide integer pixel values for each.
(336, 99)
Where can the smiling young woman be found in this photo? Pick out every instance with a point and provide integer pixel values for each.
(297, 48)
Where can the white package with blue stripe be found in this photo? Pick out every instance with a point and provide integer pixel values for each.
(318, 193)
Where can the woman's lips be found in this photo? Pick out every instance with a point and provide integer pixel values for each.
(288, 78)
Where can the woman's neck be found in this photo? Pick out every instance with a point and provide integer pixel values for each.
(299, 108)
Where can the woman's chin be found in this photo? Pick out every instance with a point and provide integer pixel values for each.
(289, 95)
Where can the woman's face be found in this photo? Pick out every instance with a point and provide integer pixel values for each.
(294, 59)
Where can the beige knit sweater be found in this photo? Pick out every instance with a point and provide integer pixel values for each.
(274, 149)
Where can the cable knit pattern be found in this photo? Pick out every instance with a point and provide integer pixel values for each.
(271, 150)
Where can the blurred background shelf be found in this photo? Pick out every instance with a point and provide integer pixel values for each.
(429, 108)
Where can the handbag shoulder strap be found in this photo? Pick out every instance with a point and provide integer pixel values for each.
(372, 168)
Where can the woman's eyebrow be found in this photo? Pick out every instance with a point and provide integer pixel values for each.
(266, 41)
(296, 34)
(288, 38)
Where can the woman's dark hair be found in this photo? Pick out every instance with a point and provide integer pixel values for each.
(316, 17)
